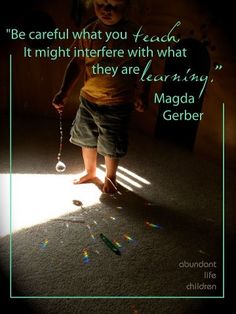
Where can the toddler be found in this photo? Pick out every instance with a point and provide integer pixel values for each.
(106, 100)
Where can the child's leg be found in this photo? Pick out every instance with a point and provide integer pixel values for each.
(110, 180)
(90, 163)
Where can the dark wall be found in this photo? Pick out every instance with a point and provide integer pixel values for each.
(35, 81)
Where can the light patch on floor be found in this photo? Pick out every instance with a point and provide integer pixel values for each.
(128, 179)
(37, 198)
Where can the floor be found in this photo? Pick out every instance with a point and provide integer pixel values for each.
(166, 220)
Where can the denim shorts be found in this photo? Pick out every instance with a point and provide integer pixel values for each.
(104, 127)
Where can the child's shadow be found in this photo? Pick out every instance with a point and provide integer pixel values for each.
(134, 204)
(181, 226)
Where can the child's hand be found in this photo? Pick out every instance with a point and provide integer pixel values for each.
(139, 105)
(58, 102)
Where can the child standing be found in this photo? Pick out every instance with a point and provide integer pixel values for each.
(106, 100)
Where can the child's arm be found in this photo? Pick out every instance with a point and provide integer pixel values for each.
(142, 97)
(70, 78)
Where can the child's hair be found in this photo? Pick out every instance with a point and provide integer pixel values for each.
(135, 9)
(88, 3)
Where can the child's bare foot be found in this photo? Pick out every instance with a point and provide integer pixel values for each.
(109, 185)
(85, 178)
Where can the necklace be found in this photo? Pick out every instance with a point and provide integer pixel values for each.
(60, 166)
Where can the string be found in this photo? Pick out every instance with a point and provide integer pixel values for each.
(60, 166)
(61, 136)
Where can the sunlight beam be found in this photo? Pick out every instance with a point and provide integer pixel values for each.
(38, 198)
(134, 175)
(128, 179)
